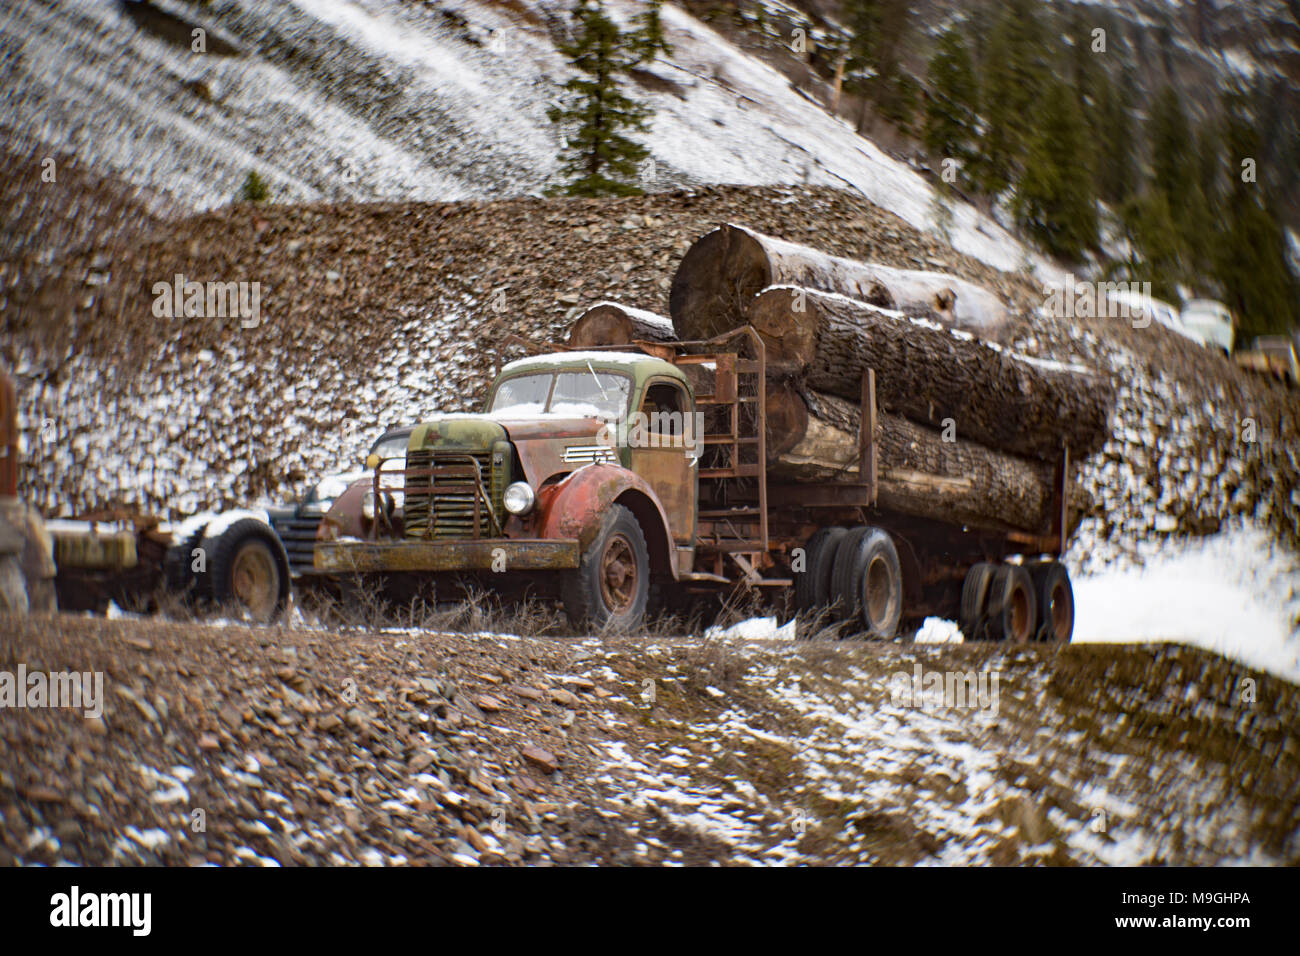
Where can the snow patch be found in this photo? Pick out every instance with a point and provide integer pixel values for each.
(1236, 593)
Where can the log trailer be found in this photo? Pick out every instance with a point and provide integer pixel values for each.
(617, 477)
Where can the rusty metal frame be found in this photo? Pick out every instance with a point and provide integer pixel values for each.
(465, 554)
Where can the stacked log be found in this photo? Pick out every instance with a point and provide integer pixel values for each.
(932, 375)
(967, 431)
(612, 323)
(814, 437)
(726, 268)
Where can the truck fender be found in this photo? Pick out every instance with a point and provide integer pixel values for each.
(575, 507)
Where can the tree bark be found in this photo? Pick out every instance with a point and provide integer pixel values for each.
(1008, 402)
(726, 268)
(813, 437)
(611, 323)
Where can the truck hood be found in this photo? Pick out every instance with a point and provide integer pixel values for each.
(486, 427)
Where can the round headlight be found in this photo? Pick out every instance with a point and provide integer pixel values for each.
(368, 502)
(519, 498)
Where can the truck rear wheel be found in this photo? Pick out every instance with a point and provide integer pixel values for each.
(248, 571)
(611, 585)
(846, 575)
(974, 599)
(812, 586)
(1013, 608)
(1055, 601)
(881, 588)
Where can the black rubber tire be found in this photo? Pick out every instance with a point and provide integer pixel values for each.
(974, 600)
(178, 567)
(1055, 597)
(581, 589)
(229, 545)
(812, 585)
(1013, 607)
(846, 576)
(880, 588)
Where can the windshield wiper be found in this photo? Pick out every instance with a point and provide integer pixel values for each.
(596, 378)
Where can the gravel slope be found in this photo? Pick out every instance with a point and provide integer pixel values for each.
(307, 746)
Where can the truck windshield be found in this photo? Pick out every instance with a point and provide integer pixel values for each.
(589, 393)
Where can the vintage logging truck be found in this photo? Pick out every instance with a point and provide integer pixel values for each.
(618, 478)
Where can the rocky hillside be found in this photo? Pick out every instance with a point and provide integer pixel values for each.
(236, 747)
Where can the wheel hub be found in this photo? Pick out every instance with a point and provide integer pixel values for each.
(254, 581)
(618, 574)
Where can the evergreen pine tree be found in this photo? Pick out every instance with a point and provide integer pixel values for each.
(1258, 284)
(649, 37)
(1170, 136)
(1251, 257)
(1113, 127)
(254, 188)
(878, 30)
(1054, 200)
(597, 154)
(1015, 70)
(1155, 247)
(952, 102)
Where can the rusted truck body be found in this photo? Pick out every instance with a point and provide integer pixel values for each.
(617, 478)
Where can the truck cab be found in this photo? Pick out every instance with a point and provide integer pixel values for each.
(582, 463)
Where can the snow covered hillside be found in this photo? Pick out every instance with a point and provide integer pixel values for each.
(380, 99)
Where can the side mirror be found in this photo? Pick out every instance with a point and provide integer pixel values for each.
(372, 461)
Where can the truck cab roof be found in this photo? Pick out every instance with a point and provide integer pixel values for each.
(636, 364)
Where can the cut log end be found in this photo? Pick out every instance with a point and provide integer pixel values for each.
(719, 274)
(609, 323)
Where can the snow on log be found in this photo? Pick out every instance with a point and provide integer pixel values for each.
(612, 323)
(1009, 402)
(724, 269)
(813, 437)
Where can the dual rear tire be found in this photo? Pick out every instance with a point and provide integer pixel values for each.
(240, 570)
(855, 575)
(1018, 603)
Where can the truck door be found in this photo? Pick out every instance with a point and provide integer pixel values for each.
(663, 449)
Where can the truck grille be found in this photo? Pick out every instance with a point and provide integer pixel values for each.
(440, 494)
(298, 535)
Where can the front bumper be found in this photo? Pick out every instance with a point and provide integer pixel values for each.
(478, 554)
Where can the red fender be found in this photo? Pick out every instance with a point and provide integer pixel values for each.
(575, 507)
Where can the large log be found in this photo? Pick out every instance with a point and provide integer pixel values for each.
(814, 437)
(612, 323)
(997, 398)
(724, 269)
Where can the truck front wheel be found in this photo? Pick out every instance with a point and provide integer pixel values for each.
(248, 571)
(611, 586)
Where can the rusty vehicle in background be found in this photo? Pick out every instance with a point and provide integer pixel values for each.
(231, 563)
(26, 551)
(1276, 356)
(296, 524)
(617, 479)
